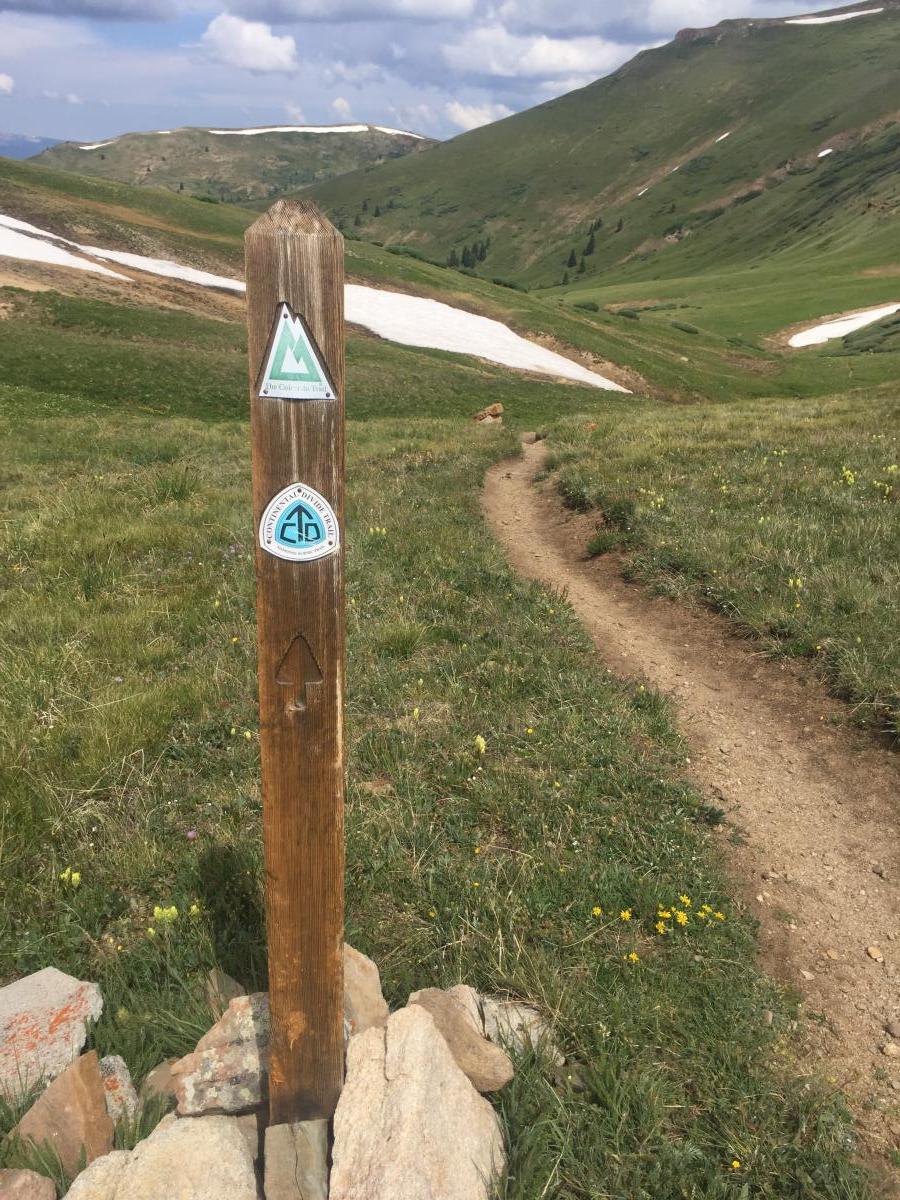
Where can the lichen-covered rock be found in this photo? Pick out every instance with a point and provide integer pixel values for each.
(70, 1116)
(121, 1098)
(409, 1125)
(229, 1070)
(43, 1026)
(487, 1066)
(204, 1158)
(26, 1185)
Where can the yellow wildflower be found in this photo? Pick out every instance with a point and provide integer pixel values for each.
(681, 917)
(665, 913)
(661, 927)
(596, 911)
(632, 957)
(625, 914)
(719, 916)
(735, 1164)
(685, 900)
(480, 744)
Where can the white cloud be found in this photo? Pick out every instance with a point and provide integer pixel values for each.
(470, 116)
(249, 45)
(22, 35)
(341, 107)
(7, 85)
(296, 113)
(491, 50)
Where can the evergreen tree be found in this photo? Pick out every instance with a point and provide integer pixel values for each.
(582, 266)
(468, 258)
(365, 206)
(565, 278)
(453, 259)
(357, 220)
(482, 251)
(591, 246)
(621, 225)
(377, 212)
(573, 260)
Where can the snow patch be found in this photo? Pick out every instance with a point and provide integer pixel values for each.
(723, 136)
(825, 153)
(409, 320)
(861, 12)
(290, 129)
(14, 244)
(818, 335)
(399, 132)
(97, 145)
(643, 191)
(162, 266)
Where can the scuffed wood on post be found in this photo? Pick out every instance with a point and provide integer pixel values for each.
(294, 255)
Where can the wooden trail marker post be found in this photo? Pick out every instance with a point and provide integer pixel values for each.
(295, 316)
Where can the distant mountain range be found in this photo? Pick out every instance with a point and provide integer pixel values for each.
(235, 165)
(722, 146)
(23, 145)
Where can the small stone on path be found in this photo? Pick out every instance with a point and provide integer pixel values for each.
(890, 1050)
(876, 953)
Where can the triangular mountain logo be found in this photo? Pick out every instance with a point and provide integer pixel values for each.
(294, 367)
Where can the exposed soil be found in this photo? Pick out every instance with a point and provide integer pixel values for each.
(812, 804)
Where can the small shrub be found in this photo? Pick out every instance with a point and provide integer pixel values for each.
(684, 327)
(631, 313)
(587, 305)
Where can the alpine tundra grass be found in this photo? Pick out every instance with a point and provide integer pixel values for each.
(517, 818)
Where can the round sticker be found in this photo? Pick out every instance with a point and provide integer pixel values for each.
(299, 525)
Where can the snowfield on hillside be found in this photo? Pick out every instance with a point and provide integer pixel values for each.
(818, 335)
(395, 316)
(834, 18)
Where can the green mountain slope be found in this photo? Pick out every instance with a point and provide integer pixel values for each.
(234, 165)
(701, 152)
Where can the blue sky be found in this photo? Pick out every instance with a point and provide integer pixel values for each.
(89, 69)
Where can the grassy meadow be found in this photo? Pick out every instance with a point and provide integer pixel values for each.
(516, 818)
(781, 514)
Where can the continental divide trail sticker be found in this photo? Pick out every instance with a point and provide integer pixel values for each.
(299, 525)
(294, 368)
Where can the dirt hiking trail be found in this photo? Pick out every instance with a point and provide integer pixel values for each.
(816, 803)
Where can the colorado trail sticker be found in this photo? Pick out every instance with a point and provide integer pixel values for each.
(299, 525)
(294, 368)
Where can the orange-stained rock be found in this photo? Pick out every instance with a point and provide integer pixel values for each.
(26, 1185)
(43, 1026)
(71, 1115)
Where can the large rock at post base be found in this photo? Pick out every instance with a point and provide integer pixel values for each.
(228, 1071)
(71, 1115)
(296, 1161)
(43, 1026)
(487, 1066)
(203, 1158)
(26, 1185)
(409, 1125)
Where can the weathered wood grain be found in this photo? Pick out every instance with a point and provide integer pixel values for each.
(294, 254)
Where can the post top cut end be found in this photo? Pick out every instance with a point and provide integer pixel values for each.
(290, 217)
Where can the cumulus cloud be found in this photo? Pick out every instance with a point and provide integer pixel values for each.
(296, 113)
(341, 108)
(65, 97)
(492, 50)
(471, 116)
(7, 85)
(249, 45)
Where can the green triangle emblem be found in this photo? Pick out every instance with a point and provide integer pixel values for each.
(294, 368)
